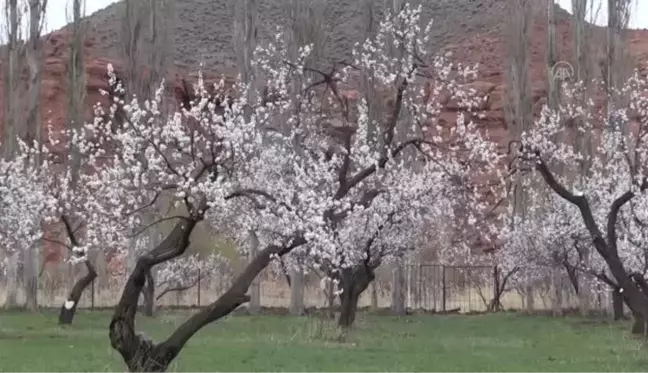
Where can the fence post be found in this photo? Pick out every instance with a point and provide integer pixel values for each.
(496, 301)
(409, 285)
(419, 280)
(199, 281)
(443, 287)
(398, 301)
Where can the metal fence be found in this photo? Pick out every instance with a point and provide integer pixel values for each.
(427, 286)
(449, 288)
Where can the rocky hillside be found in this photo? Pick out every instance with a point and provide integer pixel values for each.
(471, 29)
(202, 29)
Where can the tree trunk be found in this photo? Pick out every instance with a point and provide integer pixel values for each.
(374, 297)
(354, 282)
(398, 293)
(330, 298)
(529, 299)
(140, 353)
(13, 89)
(34, 61)
(617, 305)
(30, 279)
(296, 292)
(254, 306)
(348, 308)
(584, 292)
(149, 294)
(499, 287)
(633, 291)
(77, 88)
(11, 300)
(557, 287)
(68, 309)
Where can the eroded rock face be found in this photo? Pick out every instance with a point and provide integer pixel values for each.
(482, 46)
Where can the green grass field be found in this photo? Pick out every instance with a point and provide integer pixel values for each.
(501, 342)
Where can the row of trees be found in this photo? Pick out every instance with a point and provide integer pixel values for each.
(294, 161)
(339, 169)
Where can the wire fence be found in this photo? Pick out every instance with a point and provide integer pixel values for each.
(428, 287)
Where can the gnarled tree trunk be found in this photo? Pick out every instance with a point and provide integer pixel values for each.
(140, 353)
(68, 310)
(354, 282)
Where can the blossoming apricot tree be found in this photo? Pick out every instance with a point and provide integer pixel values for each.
(609, 194)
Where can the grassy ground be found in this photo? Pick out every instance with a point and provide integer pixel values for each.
(502, 342)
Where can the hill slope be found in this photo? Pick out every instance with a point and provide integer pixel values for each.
(203, 28)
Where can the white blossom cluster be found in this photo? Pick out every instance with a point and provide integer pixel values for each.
(25, 199)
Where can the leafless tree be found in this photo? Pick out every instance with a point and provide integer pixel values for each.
(307, 28)
(553, 94)
(584, 143)
(34, 59)
(616, 66)
(519, 110)
(77, 82)
(146, 39)
(76, 108)
(245, 41)
(13, 91)
(131, 35)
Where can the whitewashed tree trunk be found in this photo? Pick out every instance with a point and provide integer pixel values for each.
(374, 296)
(585, 290)
(254, 306)
(529, 299)
(608, 303)
(398, 290)
(557, 287)
(30, 277)
(11, 300)
(296, 292)
(330, 298)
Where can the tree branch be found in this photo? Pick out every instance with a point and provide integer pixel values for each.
(614, 214)
(363, 174)
(233, 298)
